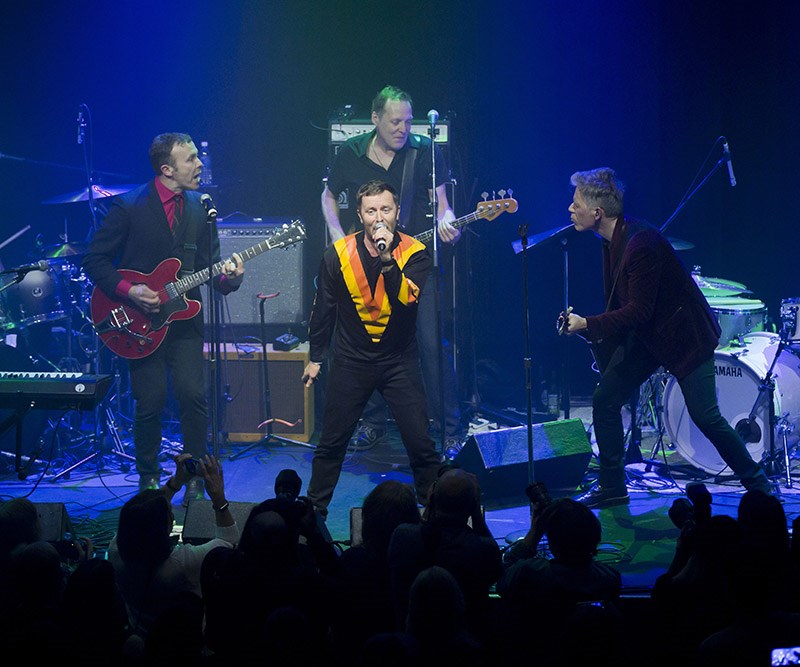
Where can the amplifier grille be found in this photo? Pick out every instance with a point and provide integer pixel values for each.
(279, 270)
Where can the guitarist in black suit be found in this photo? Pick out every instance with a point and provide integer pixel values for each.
(655, 316)
(158, 220)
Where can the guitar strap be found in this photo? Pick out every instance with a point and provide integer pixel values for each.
(189, 247)
(619, 268)
(407, 188)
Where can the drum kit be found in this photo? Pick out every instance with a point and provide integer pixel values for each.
(37, 301)
(757, 377)
(45, 321)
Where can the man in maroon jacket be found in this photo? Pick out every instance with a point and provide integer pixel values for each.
(655, 316)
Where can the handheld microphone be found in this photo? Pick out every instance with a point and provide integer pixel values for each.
(41, 265)
(381, 243)
(208, 205)
(726, 152)
(433, 117)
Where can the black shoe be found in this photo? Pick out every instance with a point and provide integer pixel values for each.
(195, 490)
(599, 497)
(366, 437)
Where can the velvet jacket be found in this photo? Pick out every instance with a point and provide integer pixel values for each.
(650, 293)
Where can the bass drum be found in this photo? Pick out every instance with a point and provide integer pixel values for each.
(739, 371)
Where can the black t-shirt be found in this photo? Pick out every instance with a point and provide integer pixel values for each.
(353, 168)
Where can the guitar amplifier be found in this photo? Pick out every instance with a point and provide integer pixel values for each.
(341, 131)
(279, 270)
(240, 368)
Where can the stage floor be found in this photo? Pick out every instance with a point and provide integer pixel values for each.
(638, 539)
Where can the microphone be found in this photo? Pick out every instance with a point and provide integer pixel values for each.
(208, 205)
(433, 117)
(381, 243)
(726, 153)
(41, 265)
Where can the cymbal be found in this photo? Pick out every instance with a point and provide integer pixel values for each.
(714, 287)
(98, 192)
(65, 250)
(678, 244)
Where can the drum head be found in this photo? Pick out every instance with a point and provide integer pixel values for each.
(738, 378)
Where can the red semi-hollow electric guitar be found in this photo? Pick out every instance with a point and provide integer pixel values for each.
(133, 334)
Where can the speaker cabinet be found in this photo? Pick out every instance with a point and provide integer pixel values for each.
(200, 522)
(561, 454)
(241, 370)
(279, 270)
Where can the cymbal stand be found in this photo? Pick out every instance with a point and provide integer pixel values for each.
(103, 416)
(268, 419)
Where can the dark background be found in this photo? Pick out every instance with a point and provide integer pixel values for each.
(535, 91)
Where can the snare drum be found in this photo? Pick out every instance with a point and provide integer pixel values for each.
(789, 320)
(739, 371)
(37, 298)
(737, 316)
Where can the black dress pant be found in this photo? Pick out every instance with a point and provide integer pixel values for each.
(428, 344)
(349, 386)
(630, 365)
(180, 356)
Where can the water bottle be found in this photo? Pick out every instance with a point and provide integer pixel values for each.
(206, 177)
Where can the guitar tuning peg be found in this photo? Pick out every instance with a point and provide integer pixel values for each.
(502, 194)
(485, 195)
(494, 195)
(510, 192)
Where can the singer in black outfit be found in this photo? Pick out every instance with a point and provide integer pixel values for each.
(393, 154)
(368, 290)
(160, 219)
(656, 316)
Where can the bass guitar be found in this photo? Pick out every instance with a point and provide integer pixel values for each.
(485, 210)
(133, 334)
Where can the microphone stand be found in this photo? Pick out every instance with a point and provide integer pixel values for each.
(270, 436)
(565, 388)
(523, 233)
(693, 192)
(87, 157)
(522, 245)
(213, 343)
(433, 131)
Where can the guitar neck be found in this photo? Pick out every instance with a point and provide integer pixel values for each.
(425, 237)
(183, 285)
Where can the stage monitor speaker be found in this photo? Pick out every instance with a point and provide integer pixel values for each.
(291, 401)
(200, 524)
(279, 270)
(53, 521)
(561, 454)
